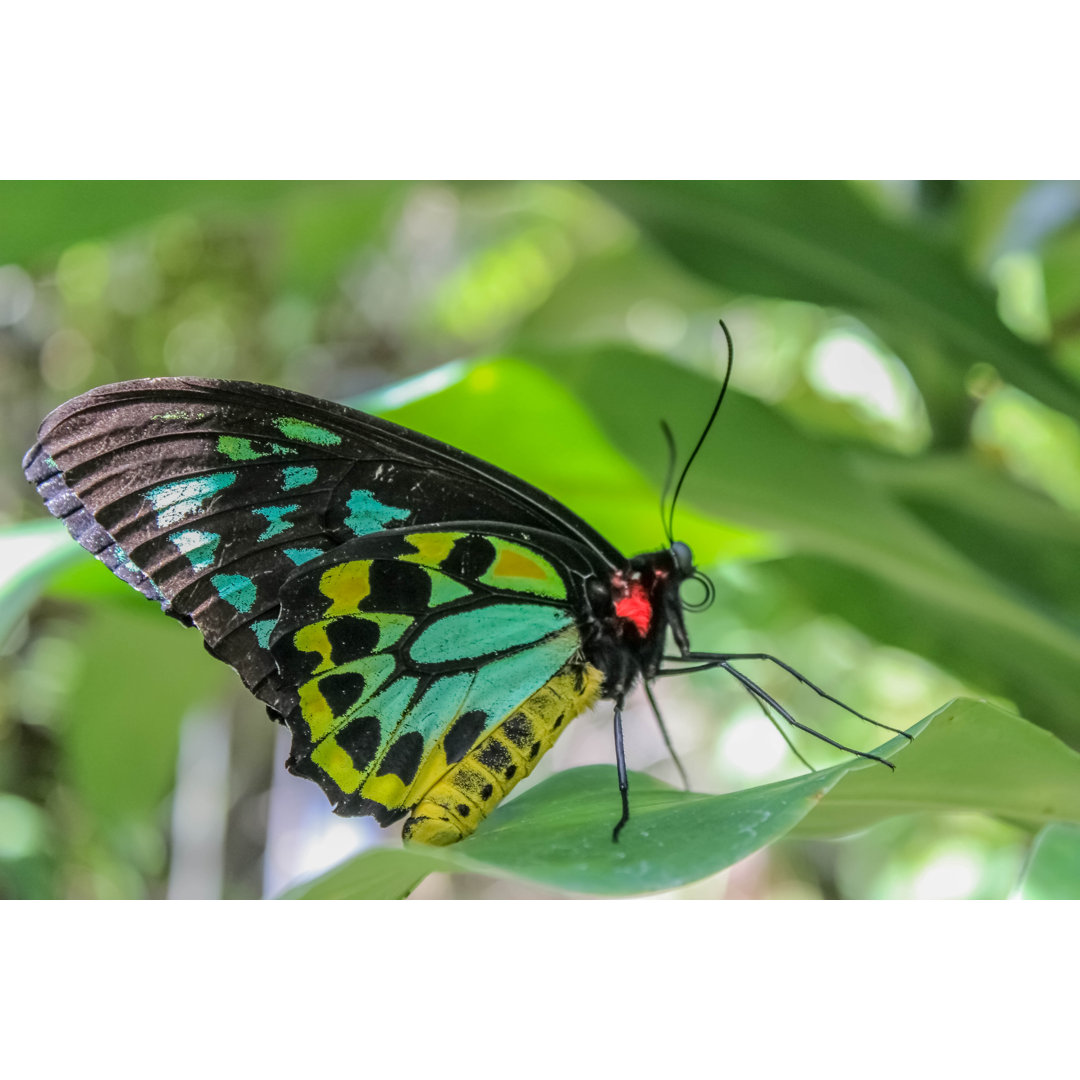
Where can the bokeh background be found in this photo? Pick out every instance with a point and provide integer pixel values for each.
(889, 502)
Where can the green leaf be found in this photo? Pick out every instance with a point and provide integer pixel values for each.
(819, 241)
(1053, 871)
(558, 835)
(1009, 530)
(968, 756)
(973, 757)
(381, 874)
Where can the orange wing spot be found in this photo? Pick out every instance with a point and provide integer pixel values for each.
(512, 564)
(636, 607)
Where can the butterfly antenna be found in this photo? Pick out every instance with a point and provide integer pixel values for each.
(670, 440)
(708, 425)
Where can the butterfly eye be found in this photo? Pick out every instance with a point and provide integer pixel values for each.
(684, 559)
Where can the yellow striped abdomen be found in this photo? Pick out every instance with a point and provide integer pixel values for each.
(453, 807)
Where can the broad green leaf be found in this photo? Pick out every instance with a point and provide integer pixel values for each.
(1053, 871)
(968, 756)
(973, 756)
(558, 834)
(819, 241)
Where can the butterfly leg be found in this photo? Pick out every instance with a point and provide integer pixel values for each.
(664, 733)
(620, 765)
(721, 659)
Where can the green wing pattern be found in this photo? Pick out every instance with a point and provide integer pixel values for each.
(407, 648)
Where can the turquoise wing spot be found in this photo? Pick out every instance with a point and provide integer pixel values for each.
(299, 556)
(275, 516)
(442, 701)
(182, 498)
(368, 515)
(469, 635)
(262, 630)
(235, 589)
(444, 589)
(304, 431)
(299, 476)
(199, 547)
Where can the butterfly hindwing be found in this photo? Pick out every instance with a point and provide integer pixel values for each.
(407, 649)
(209, 496)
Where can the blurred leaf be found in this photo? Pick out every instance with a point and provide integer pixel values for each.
(1009, 530)
(819, 241)
(1053, 871)
(139, 677)
(558, 834)
(985, 211)
(41, 217)
(973, 757)
(324, 228)
(1061, 275)
(379, 874)
(31, 554)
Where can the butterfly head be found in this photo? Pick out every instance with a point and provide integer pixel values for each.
(682, 559)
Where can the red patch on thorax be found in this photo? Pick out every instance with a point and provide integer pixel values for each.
(635, 606)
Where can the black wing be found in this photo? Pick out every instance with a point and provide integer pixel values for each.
(207, 495)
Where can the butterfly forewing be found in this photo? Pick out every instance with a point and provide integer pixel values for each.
(208, 495)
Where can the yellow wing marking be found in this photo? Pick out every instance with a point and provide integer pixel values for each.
(332, 759)
(431, 548)
(347, 585)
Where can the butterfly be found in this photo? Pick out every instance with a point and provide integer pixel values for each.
(425, 624)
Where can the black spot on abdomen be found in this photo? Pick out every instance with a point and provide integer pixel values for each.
(495, 757)
(518, 730)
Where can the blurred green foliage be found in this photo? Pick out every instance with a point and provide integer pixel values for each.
(889, 501)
